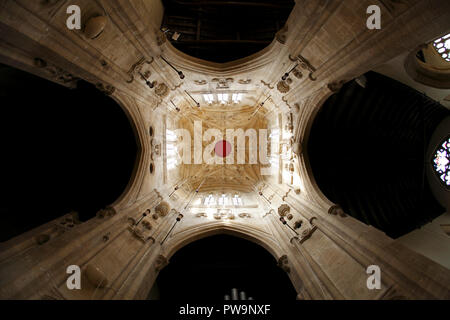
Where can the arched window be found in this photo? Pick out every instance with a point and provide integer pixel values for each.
(172, 149)
(442, 46)
(441, 162)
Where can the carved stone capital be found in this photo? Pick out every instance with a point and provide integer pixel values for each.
(336, 210)
(160, 262)
(336, 85)
(107, 212)
(283, 263)
(105, 88)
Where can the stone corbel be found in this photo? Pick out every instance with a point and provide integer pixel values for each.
(223, 83)
(283, 263)
(281, 35)
(107, 212)
(336, 85)
(336, 210)
(56, 73)
(105, 88)
(160, 263)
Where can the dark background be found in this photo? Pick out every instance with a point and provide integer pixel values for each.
(367, 152)
(223, 30)
(207, 270)
(61, 150)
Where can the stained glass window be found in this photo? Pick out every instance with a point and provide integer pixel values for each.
(442, 45)
(441, 162)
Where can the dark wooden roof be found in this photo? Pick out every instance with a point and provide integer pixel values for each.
(367, 151)
(222, 31)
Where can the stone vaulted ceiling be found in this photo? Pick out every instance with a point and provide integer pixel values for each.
(218, 177)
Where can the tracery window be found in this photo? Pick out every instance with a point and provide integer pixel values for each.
(442, 46)
(441, 162)
(171, 149)
(209, 200)
(223, 199)
(237, 200)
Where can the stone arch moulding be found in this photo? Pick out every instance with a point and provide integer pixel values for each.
(228, 69)
(142, 149)
(261, 238)
(180, 240)
(314, 105)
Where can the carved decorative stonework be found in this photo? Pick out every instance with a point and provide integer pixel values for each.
(396, 6)
(281, 36)
(297, 148)
(284, 210)
(162, 90)
(202, 215)
(286, 195)
(336, 85)
(283, 87)
(307, 233)
(283, 263)
(296, 108)
(336, 210)
(147, 224)
(105, 88)
(56, 73)
(162, 209)
(161, 38)
(160, 263)
(200, 82)
(107, 212)
(244, 215)
(297, 73)
(156, 148)
(247, 81)
(268, 85)
(223, 83)
(305, 65)
(138, 68)
(298, 224)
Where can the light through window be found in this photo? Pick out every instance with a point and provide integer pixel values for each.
(171, 149)
(442, 45)
(441, 162)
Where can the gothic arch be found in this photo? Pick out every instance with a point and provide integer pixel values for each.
(180, 240)
(143, 148)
